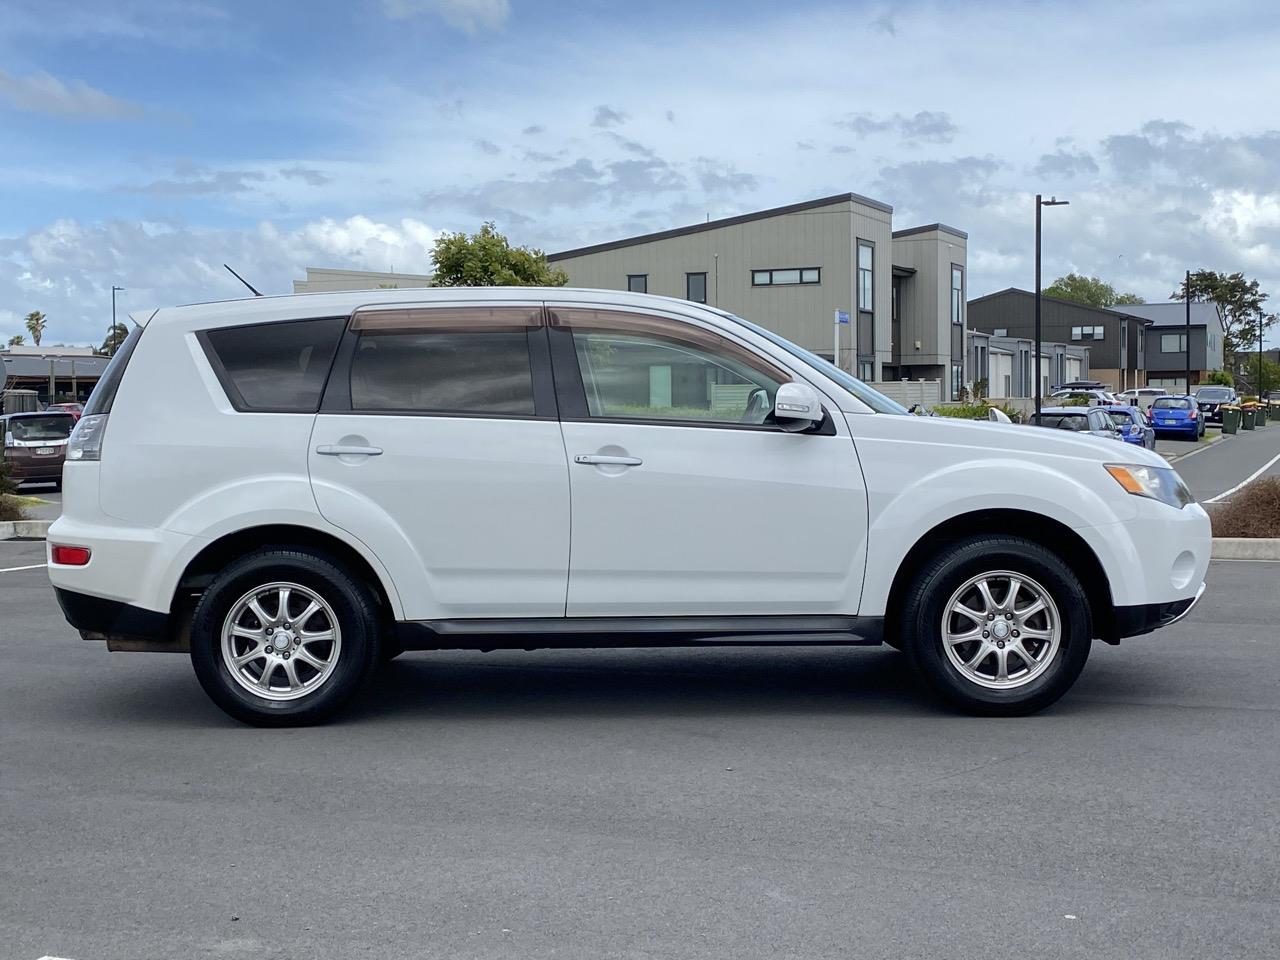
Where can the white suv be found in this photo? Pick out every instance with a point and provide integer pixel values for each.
(293, 489)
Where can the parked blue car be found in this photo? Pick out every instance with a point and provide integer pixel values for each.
(1177, 415)
(1133, 425)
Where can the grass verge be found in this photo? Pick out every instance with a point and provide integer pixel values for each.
(1252, 512)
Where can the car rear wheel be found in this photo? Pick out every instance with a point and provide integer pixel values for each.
(998, 625)
(284, 637)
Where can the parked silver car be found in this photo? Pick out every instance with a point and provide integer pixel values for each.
(1080, 419)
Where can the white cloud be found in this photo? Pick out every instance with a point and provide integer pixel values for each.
(45, 93)
(66, 268)
(471, 16)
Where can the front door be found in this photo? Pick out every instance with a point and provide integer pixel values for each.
(437, 445)
(687, 499)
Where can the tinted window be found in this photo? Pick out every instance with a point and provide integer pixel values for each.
(104, 392)
(1171, 403)
(54, 427)
(278, 367)
(446, 359)
(650, 368)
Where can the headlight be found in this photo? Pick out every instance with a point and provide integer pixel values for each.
(1156, 483)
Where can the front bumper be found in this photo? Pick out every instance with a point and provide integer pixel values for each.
(1144, 618)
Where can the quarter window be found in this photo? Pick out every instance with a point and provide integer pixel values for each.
(695, 287)
(786, 276)
(638, 367)
(274, 367)
(447, 361)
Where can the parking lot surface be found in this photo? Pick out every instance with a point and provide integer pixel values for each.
(728, 802)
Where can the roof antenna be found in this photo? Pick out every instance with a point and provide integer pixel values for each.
(243, 280)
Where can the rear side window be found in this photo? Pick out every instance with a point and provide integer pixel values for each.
(104, 393)
(444, 360)
(274, 367)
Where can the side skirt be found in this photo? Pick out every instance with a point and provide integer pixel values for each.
(585, 632)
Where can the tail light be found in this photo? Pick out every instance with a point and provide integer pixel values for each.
(86, 438)
(1193, 414)
(69, 556)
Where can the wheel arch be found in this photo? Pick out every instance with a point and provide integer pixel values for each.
(1051, 534)
(214, 556)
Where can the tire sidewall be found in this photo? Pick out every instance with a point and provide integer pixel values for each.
(967, 560)
(351, 604)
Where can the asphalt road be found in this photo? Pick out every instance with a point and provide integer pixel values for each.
(1214, 470)
(733, 803)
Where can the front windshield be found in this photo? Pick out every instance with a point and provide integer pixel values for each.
(1214, 394)
(872, 398)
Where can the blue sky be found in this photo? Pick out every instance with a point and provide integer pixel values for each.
(145, 143)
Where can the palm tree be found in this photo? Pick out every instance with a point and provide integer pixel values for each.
(17, 340)
(35, 326)
(116, 337)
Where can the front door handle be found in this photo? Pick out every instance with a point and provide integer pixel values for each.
(347, 450)
(600, 458)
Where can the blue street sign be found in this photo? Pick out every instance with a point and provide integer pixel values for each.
(842, 316)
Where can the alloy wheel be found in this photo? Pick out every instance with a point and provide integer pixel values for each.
(1001, 629)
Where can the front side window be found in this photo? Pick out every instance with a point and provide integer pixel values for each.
(866, 275)
(957, 294)
(637, 367)
(695, 287)
(274, 367)
(638, 282)
(470, 360)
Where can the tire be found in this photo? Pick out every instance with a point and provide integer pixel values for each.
(224, 625)
(1032, 682)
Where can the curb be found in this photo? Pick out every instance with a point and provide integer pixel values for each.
(1246, 548)
(24, 529)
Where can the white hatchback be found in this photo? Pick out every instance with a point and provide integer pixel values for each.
(293, 489)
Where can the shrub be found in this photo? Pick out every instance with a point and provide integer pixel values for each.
(1076, 402)
(963, 411)
(10, 509)
(1219, 377)
(1253, 512)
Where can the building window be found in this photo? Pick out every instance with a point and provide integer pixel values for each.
(957, 380)
(866, 370)
(957, 294)
(1173, 343)
(781, 277)
(638, 282)
(1088, 333)
(866, 276)
(695, 287)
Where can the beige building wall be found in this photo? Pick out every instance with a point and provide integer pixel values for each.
(326, 280)
(822, 236)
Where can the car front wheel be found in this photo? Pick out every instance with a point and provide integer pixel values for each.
(284, 637)
(998, 625)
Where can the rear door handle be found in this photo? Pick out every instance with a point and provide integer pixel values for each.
(345, 450)
(600, 458)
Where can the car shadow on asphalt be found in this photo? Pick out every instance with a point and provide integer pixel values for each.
(646, 683)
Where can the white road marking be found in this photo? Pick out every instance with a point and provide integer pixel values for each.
(34, 566)
(1256, 474)
(52, 958)
(1239, 560)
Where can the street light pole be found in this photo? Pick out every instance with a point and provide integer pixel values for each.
(110, 337)
(1188, 334)
(1051, 202)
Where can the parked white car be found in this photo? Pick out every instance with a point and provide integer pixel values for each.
(331, 479)
(1142, 397)
(1096, 398)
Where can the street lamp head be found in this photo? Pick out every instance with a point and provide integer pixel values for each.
(1054, 202)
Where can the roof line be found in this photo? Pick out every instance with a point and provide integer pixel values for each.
(717, 224)
(929, 228)
(1070, 303)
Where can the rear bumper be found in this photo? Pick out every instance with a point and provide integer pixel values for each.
(28, 469)
(122, 626)
(1135, 621)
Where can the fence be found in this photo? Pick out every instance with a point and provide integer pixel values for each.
(906, 392)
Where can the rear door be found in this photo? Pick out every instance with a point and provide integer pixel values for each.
(688, 500)
(438, 446)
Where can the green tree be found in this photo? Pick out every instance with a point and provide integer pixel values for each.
(1270, 379)
(487, 259)
(114, 338)
(35, 326)
(17, 340)
(1239, 303)
(1222, 378)
(1088, 290)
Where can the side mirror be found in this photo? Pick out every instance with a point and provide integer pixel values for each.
(996, 415)
(797, 407)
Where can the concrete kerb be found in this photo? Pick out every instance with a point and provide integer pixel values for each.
(24, 529)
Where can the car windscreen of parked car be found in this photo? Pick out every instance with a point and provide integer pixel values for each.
(1063, 421)
(53, 427)
(1214, 394)
(1171, 403)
